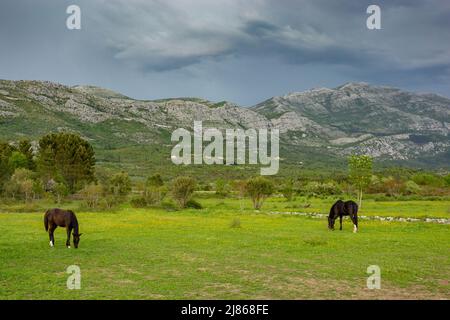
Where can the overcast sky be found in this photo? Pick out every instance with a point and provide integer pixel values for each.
(244, 51)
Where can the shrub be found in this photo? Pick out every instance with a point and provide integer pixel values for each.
(110, 200)
(447, 180)
(427, 179)
(155, 181)
(222, 188)
(60, 190)
(92, 194)
(154, 191)
(20, 184)
(239, 186)
(193, 204)
(288, 190)
(411, 187)
(322, 189)
(259, 189)
(138, 202)
(119, 184)
(392, 186)
(38, 189)
(182, 190)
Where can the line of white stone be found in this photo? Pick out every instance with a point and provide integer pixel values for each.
(399, 219)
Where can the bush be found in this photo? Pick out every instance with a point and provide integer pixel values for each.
(193, 204)
(182, 190)
(155, 181)
(259, 189)
(288, 190)
(222, 188)
(138, 202)
(322, 189)
(20, 184)
(110, 201)
(411, 187)
(119, 184)
(38, 189)
(92, 194)
(60, 191)
(428, 179)
(154, 190)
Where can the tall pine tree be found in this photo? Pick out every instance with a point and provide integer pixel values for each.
(67, 157)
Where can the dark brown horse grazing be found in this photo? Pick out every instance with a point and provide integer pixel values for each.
(61, 218)
(340, 209)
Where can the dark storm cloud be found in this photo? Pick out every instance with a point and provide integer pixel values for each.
(197, 47)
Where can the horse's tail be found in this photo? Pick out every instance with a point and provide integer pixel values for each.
(46, 220)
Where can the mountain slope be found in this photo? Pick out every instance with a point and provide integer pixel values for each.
(317, 125)
(382, 121)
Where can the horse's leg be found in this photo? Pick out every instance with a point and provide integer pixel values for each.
(68, 230)
(355, 222)
(340, 222)
(51, 236)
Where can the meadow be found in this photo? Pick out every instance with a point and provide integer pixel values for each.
(227, 251)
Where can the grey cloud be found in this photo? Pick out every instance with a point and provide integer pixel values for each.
(237, 49)
(160, 36)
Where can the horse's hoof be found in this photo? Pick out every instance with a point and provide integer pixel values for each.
(68, 247)
(51, 244)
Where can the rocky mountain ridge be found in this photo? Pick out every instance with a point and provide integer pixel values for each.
(385, 122)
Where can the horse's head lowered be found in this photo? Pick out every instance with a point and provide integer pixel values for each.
(76, 239)
(330, 223)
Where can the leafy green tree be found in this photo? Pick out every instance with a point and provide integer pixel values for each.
(45, 166)
(360, 173)
(182, 190)
(38, 189)
(5, 169)
(120, 184)
(21, 184)
(259, 189)
(17, 160)
(66, 155)
(27, 150)
(60, 190)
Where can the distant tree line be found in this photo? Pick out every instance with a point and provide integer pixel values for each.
(63, 164)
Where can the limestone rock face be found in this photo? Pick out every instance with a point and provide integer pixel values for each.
(384, 122)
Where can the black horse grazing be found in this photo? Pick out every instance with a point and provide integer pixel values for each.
(61, 218)
(340, 209)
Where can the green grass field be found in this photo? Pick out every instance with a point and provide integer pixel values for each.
(196, 254)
